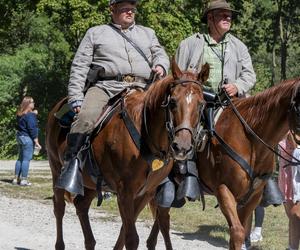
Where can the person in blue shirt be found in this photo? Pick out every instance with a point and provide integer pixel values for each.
(27, 139)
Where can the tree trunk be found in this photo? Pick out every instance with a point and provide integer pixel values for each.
(275, 37)
(283, 49)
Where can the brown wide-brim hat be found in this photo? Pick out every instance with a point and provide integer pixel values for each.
(111, 2)
(215, 5)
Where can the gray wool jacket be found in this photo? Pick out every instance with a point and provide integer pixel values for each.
(103, 46)
(238, 67)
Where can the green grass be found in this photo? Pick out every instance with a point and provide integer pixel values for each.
(209, 225)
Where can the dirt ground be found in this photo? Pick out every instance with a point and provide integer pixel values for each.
(30, 225)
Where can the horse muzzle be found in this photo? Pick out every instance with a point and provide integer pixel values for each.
(181, 153)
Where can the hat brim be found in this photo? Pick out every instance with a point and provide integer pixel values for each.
(122, 1)
(235, 13)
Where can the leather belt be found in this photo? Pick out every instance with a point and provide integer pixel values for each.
(128, 78)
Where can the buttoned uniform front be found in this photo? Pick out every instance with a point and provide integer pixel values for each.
(237, 69)
(103, 46)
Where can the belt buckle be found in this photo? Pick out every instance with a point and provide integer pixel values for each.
(128, 78)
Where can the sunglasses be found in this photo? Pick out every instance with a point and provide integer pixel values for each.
(126, 10)
(223, 15)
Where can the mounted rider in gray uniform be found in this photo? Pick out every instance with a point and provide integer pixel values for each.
(122, 66)
(229, 59)
(230, 63)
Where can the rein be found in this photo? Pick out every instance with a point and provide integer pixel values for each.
(139, 141)
(250, 130)
(236, 157)
(156, 158)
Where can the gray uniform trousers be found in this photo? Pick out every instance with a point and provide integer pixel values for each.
(91, 109)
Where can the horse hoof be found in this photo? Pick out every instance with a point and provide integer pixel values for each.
(59, 246)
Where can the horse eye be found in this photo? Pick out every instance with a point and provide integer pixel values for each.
(172, 103)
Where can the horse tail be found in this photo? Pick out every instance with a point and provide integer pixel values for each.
(54, 138)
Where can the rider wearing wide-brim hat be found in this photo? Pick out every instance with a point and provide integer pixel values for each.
(227, 55)
(217, 5)
(229, 59)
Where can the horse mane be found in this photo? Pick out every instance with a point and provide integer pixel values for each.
(156, 93)
(154, 96)
(255, 108)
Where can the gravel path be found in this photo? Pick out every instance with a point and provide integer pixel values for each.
(29, 224)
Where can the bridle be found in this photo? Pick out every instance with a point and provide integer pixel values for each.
(171, 129)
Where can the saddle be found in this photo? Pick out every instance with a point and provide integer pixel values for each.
(65, 117)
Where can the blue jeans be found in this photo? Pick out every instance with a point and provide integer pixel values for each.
(25, 144)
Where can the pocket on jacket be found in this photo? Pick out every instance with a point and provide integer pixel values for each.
(24, 140)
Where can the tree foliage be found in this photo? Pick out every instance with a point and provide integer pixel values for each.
(38, 39)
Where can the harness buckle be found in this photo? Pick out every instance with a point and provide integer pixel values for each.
(128, 78)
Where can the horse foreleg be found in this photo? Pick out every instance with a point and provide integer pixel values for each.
(139, 204)
(82, 204)
(162, 223)
(121, 240)
(152, 239)
(245, 213)
(59, 211)
(228, 205)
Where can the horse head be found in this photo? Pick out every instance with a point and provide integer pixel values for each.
(294, 114)
(184, 103)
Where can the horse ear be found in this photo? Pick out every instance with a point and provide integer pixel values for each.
(204, 73)
(177, 73)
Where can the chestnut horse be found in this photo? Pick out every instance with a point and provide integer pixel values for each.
(122, 165)
(270, 114)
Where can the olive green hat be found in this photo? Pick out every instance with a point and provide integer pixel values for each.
(217, 4)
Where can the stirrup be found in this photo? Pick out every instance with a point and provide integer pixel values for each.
(272, 194)
(189, 188)
(165, 194)
(70, 178)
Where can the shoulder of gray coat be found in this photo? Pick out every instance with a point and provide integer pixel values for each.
(145, 29)
(237, 42)
(191, 40)
(99, 29)
(148, 31)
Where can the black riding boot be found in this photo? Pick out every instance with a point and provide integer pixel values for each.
(272, 194)
(70, 178)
